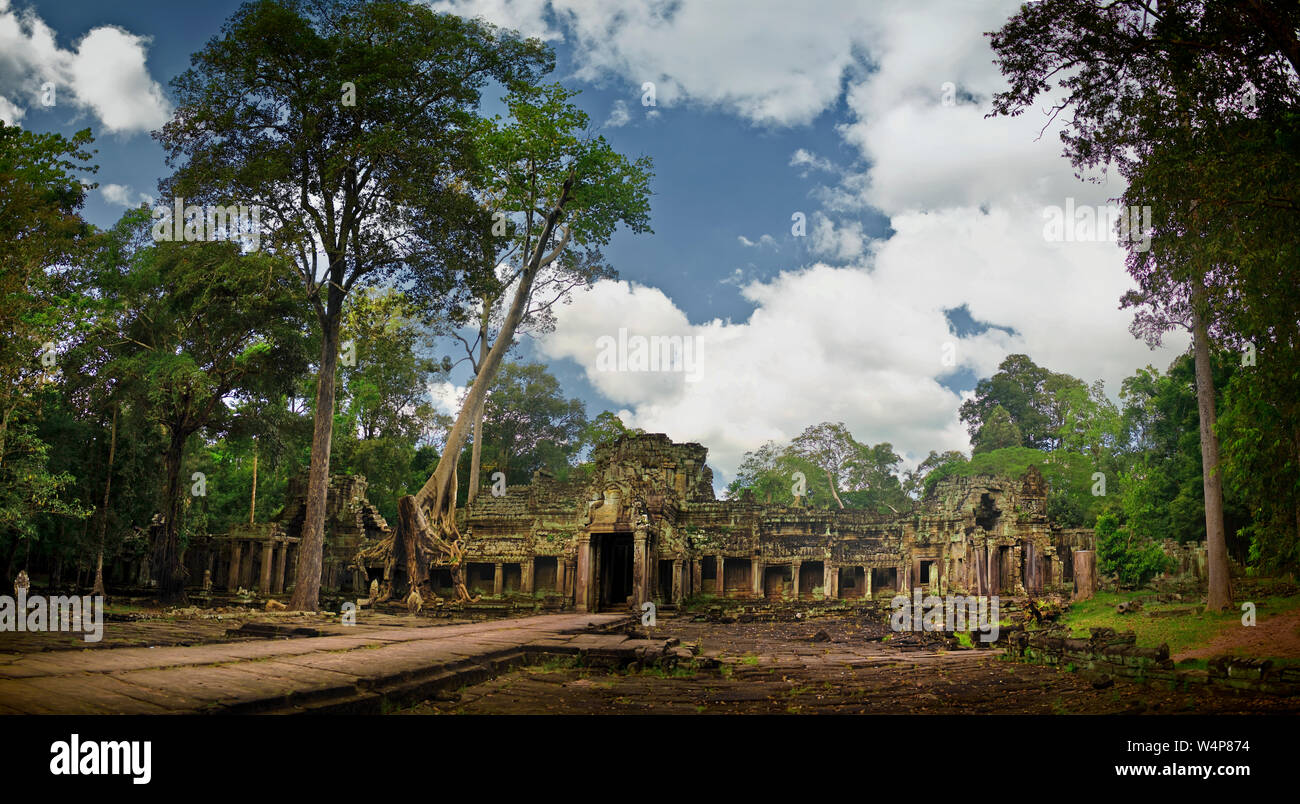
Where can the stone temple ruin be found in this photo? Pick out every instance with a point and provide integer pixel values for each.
(263, 556)
(644, 526)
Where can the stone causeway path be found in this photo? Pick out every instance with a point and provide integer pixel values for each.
(372, 670)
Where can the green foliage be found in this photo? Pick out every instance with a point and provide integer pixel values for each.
(998, 432)
(825, 454)
(41, 231)
(1133, 559)
(528, 425)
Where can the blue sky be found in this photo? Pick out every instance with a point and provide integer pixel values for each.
(923, 261)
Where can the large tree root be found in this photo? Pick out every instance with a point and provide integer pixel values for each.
(414, 548)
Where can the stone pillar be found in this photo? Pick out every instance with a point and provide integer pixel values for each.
(264, 583)
(677, 580)
(1085, 574)
(582, 575)
(526, 576)
(756, 567)
(640, 568)
(498, 580)
(232, 575)
(697, 576)
(830, 581)
(281, 559)
(561, 577)
(866, 583)
(794, 578)
(720, 564)
(246, 568)
(290, 560)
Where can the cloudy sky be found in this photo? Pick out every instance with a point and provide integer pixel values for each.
(835, 220)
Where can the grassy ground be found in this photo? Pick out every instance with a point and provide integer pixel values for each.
(1181, 632)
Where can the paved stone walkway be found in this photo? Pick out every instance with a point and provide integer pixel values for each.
(371, 670)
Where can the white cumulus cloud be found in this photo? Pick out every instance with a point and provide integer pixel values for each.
(104, 73)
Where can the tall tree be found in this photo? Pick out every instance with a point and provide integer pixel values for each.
(41, 235)
(1151, 90)
(563, 191)
(832, 449)
(348, 123)
(188, 325)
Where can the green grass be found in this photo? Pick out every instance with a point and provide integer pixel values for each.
(750, 659)
(1182, 633)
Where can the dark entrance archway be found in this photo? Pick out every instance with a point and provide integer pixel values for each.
(615, 570)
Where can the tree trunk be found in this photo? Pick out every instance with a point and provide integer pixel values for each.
(831, 479)
(1219, 596)
(98, 588)
(166, 547)
(476, 456)
(252, 505)
(418, 539)
(306, 589)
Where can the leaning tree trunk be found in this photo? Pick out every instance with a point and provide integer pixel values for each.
(426, 521)
(306, 588)
(98, 589)
(831, 480)
(1219, 596)
(476, 456)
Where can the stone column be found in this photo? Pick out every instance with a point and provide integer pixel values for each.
(795, 566)
(866, 583)
(640, 568)
(582, 575)
(756, 567)
(526, 576)
(830, 581)
(561, 579)
(677, 580)
(246, 568)
(720, 564)
(232, 575)
(264, 583)
(697, 576)
(1085, 574)
(498, 580)
(290, 560)
(281, 559)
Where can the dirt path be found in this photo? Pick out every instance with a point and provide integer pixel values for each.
(1277, 636)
